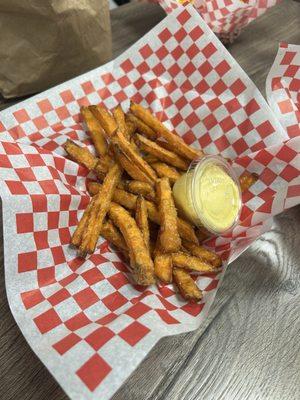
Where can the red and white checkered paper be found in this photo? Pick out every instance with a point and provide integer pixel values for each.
(84, 319)
(283, 87)
(225, 17)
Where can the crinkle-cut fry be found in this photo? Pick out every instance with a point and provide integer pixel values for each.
(247, 179)
(111, 233)
(192, 263)
(150, 159)
(141, 217)
(99, 210)
(140, 188)
(162, 154)
(164, 170)
(106, 120)
(141, 262)
(80, 154)
(178, 144)
(96, 131)
(128, 200)
(141, 127)
(133, 156)
(77, 235)
(203, 253)
(133, 170)
(169, 236)
(186, 285)
(119, 117)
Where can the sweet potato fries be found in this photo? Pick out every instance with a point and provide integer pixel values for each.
(136, 163)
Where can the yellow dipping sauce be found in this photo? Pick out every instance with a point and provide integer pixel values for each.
(209, 195)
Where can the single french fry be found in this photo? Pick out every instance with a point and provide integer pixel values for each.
(186, 231)
(141, 217)
(132, 169)
(246, 180)
(77, 235)
(168, 146)
(142, 128)
(111, 233)
(128, 200)
(162, 264)
(178, 144)
(120, 196)
(119, 117)
(96, 131)
(80, 154)
(162, 154)
(133, 156)
(141, 262)
(106, 120)
(186, 285)
(99, 210)
(164, 170)
(192, 263)
(202, 253)
(169, 236)
(140, 188)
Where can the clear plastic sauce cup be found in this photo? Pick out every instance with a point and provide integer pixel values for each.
(209, 194)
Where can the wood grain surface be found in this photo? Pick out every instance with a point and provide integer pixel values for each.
(249, 348)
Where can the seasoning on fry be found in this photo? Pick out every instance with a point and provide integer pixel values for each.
(141, 217)
(169, 235)
(138, 187)
(105, 118)
(183, 260)
(77, 235)
(162, 264)
(141, 262)
(131, 127)
(202, 253)
(142, 128)
(186, 285)
(80, 154)
(132, 169)
(112, 234)
(119, 117)
(164, 170)
(178, 144)
(96, 131)
(99, 210)
(187, 231)
(133, 156)
(162, 154)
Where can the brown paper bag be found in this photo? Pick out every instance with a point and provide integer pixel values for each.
(44, 42)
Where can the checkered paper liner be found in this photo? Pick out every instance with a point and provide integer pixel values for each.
(84, 319)
(225, 17)
(283, 88)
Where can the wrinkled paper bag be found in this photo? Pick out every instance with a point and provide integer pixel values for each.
(47, 42)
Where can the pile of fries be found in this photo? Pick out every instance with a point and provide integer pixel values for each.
(132, 206)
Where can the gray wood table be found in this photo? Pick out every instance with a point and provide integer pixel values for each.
(249, 347)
